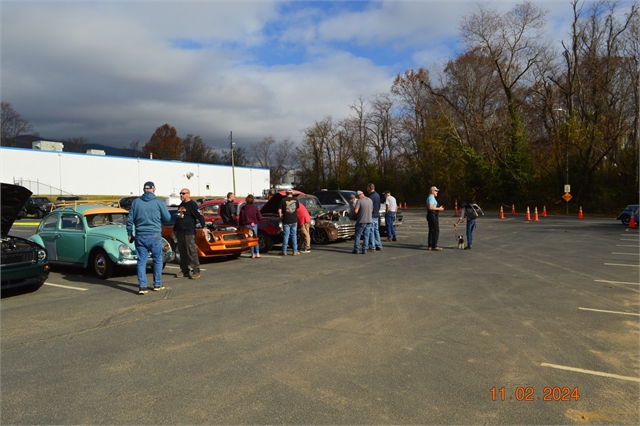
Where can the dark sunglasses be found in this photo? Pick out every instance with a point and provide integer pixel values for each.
(183, 193)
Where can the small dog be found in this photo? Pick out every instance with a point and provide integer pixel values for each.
(461, 242)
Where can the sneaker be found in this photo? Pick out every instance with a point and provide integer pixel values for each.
(467, 248)
(306, 251)
(195, 275)
(388, 240)
(258, 256)
(158, 288)
(282, 253)
(437, 248)
(393, 239)
(372, 250)
(297, 253)
(429, 248)
(379, 249)
(180, 274)
(355, 252)
(142, 290)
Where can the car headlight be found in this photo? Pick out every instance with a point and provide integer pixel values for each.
(251, 233)
(209, 238)
(313, 222)
(42, 255)
(335, 224)
(125, 250)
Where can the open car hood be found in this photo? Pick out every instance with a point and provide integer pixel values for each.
(14, 197)
(271, 206)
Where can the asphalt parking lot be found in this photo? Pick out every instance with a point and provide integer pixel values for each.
(538, 324)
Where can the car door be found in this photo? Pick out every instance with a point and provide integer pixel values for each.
(71, 239)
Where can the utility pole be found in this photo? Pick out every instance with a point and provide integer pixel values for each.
(233, 166)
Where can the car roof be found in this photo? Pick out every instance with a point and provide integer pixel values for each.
(87, 209)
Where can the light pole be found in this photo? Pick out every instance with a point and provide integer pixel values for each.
(567, 187)
(233, 166)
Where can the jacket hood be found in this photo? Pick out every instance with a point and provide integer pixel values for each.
(148, 196)
(14, 197)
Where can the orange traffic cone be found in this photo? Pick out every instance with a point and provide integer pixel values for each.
(455, 211)
(501, 213)
(580, 216)
(528, 215)
(544, 211)
(513, 209)
(535, 214)
(405, 205)
(632, 221)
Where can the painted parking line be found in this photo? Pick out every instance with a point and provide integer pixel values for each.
(623, 264)
(66, 286)
(609, 312)
(595, 373)
(616, 282)
(628, 254)
(628, 239)
(177, 267)
(626, 245)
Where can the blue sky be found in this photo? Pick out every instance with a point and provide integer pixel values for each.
(114, 71)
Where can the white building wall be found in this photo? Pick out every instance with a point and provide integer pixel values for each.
(53, 173)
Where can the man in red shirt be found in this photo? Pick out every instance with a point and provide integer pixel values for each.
(304, 223)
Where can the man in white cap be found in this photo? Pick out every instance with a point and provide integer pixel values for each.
(432, 218)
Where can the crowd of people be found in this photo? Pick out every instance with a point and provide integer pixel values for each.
(148, 213)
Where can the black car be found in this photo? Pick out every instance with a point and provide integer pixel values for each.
(38, 206)
(125, 202)
(25, 264)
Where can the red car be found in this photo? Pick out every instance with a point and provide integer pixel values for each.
(211, 209)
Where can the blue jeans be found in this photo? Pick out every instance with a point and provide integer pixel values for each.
(362, 228)
(290, 229)
(374, 241)
(471, 224)
(390, 219)
(145, 244)
(256, 249)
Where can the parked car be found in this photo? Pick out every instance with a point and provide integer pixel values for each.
(338, 200)
(326, 225)
(220, 240)
(93, 236)
(38, 206)
(211, 209)
(25, 264)
(625, 216)
(125, 202)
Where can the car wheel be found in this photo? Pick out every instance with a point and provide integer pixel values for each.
(265, 241)
(318, 236)
(625, 220)
(102, 264)
(39, 214)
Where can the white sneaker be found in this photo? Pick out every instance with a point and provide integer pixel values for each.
(306, 251)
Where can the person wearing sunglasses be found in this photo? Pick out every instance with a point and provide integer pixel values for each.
(184, 231)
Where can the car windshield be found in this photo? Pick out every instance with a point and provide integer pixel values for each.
(102, 219)
(311, 203)
(210, 210)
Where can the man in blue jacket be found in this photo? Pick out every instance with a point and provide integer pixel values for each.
(145, 222)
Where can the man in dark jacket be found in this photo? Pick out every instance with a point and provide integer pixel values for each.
(145, 222)
(376, 243)
(228, 210)
(184, 230)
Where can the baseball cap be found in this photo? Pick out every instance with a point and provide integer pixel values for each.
(149, 185)
(289, 191)
(433, 188)
(360, 193)
(387, 192)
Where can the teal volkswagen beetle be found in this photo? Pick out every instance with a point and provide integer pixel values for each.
(91, 236)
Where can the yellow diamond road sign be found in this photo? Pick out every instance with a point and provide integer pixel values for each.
(567, 197)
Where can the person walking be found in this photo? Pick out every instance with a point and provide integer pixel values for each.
(375, 242)
(363, 212)
(390, 215)
(470, 213)
(432, 218)
(184, 232)
(304, 223)
(289, 217)
(144, 226)
(228, 210)
(249, 217)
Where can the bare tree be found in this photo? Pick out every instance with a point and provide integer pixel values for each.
(13, 125)
(133, 150)
(196, 151)
(76, 144)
